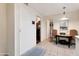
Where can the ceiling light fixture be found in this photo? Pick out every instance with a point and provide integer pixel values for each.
(64, 14)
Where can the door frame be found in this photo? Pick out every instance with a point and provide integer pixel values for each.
(36, 27)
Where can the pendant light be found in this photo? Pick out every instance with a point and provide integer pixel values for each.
(64, 14)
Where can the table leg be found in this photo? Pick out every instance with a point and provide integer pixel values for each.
(56, 39)
(69, 42)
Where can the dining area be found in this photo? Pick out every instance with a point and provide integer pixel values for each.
(63, 36)
(65, 39)
(62, 31)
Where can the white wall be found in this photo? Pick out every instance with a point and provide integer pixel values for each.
(43, 29)
(17, 28)
(73, 20)
(3, 30)
(21, 32)
(13, 18)
(48, 28)
(10, 28)
(27, 36)
(17, 33)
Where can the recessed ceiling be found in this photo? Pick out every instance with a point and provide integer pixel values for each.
(54, 8)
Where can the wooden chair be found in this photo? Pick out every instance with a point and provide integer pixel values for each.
(54, 33)
(73, 32)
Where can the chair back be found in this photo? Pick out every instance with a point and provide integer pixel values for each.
(54, 32)
(73, 32)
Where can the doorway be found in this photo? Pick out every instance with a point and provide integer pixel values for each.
(38, 31)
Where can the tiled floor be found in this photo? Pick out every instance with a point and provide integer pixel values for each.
(51, 49)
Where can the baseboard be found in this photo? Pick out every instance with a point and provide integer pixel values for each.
(3, 54)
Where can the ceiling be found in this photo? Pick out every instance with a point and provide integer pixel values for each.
(54, 8)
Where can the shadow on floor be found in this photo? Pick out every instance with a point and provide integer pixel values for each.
(36, 51)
